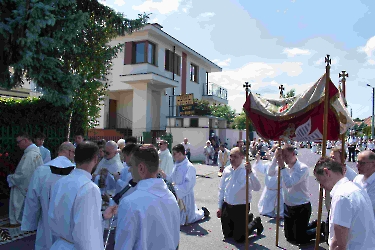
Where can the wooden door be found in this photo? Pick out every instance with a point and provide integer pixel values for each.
(112, 114)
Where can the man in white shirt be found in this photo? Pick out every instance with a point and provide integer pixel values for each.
(149, 218)
(111, 160)
(74, 213)
(351, 219)
(39, 140)
(297, 206)
(232, 197)
(187, 147)
(166, 159)
(35, 215)
(366, 177)
(184, 179)
(19, 181)
(224, 159)
(370, 145)
(352, 142)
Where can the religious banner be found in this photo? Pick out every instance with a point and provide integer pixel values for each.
(299, 118)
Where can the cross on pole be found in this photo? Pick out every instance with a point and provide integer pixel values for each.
(327, 60)
(343, 75)
(281, 87)
(247, 86)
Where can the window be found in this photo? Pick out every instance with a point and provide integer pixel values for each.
(193, 73)
(169, 62)
(151, 53)
(144, 52)
(194, 122)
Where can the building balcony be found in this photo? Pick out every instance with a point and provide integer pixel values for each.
(214, 93)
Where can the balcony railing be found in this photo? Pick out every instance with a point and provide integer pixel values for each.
(213, 89)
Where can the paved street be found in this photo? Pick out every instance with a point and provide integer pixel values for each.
(207, 234)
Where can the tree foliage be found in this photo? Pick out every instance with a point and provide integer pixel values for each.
(223, 111)
(62, 46)
(240, 122)
(290, 93)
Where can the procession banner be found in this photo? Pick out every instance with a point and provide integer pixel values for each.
(299, 118)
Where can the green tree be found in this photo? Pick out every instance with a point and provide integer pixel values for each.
(62, 46)
(202, 107)
(240, 122)
(290, 93)
(223, 111)
(367, 130)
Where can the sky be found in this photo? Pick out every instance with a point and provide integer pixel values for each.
(273, 42)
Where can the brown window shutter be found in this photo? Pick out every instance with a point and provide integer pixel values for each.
(128, 53)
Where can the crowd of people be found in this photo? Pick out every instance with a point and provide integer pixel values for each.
(147, 193)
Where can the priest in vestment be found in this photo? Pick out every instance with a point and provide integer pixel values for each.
(74, 213)
(19, 181)
(166, 159)
(184, 177)
(148, 218)
(35, 215)
(111, 160)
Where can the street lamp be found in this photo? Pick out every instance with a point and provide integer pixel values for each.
(373, 107)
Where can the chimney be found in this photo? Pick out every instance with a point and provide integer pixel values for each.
(156, 25)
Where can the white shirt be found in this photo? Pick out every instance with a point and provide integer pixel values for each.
(125, 177)
(75, 212)
(186, 146)
(368, 185)
(149, 218)
(232, 189)
(114, 165)
(295, 182)
(351, 208)
(46, 154)
(350, 173)
(370, 146)
(166, 161)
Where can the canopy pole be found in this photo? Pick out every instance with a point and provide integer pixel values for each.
(278, 202)
(247, 86)
(324, 146)
(344, 75)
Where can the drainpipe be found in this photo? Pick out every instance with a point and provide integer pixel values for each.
(206, 83)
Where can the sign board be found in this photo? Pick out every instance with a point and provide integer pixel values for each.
(185, 100)
(186, 110)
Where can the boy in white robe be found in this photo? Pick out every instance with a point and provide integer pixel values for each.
(74, 213)
(35, 215)
(149, 217)
(183, 178)
(19, 181)
(39, 140)
(166, 159)
(111, 160)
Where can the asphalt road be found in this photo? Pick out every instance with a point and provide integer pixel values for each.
(207, 233)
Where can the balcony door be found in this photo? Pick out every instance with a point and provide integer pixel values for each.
(112, 113)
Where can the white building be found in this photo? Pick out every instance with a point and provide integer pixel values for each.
(144, 83)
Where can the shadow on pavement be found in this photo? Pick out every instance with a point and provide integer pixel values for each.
(195, 229)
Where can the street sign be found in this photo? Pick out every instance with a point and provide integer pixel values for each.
(185, 100)
(187, 110)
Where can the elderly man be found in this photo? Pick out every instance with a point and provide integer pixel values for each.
(187, 147)
(297, 206)
(39, 140)
(184, 179)
(121, 145)
(351, 220)
(166, 159)
(19, 181)
(148, 218)
(232, 198)
(35, 215)
(111, 160)
(366, 177)
(74, 213)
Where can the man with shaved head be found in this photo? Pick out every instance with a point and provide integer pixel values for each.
(366, 170)
(111, 160)
(35, 215)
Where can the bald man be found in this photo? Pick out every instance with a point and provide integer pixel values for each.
(35, 215)
(111, 160)
(366, 170)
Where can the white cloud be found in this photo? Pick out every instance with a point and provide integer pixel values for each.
(296, 52)
(155, 20)
(207, 14)
(223, 63)
(369, 50)
(119, 2)
(163, 7)
(104, 2)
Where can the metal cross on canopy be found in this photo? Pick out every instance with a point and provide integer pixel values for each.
(343, 75)
(247, 86)
(327, 60)
(281, 87)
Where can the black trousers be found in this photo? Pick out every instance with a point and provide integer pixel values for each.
(233, 221)
(351, 151)
(296, 222)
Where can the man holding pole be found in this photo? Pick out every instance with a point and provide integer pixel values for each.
(297, 206)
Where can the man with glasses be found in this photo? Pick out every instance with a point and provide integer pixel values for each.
(39, 140)
(35, 215)
(19, 181)
(366, 177)
(111, 160)
(148, 218)
(351, 219)
(166, 159)
(74, 213)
